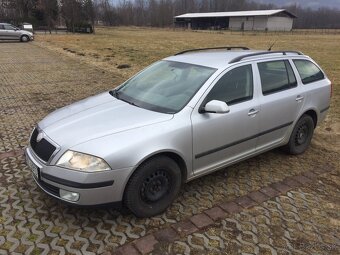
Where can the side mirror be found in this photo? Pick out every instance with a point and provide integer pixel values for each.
(216, 106)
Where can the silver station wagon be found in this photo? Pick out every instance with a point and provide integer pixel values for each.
(182, 117)
(10, 32)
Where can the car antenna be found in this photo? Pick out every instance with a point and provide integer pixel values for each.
(271, 46)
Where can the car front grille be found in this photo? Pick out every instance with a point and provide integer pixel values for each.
(43, 149)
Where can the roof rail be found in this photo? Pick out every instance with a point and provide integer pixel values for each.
(214, 48)
(283, 52)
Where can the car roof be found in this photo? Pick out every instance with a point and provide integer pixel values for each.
(222, 58)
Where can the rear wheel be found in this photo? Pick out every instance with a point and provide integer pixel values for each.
(24, 38)
(301, 136)
(153, 187)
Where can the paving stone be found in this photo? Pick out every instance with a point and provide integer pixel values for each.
(274, 227)
(291, 182)
(231, 207)
(302, 179)
(245, 201)
(13, 153)
(281, 187)
(258, 196)
(215, 213)
(166, 235)
(270, 192)
(201, 220)
(125, 250)
(184, 227)
(325, 168)
(310, 175)
(145, 244)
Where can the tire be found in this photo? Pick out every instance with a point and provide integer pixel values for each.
(301, 136)
(24, 38)
(153, 187)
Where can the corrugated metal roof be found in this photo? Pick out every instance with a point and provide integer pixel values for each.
(234, 14)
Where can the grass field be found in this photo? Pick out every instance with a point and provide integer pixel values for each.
(110, 48)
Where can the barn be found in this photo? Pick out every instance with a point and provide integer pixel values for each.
(260, 20)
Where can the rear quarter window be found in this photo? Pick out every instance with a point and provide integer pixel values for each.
(308, 71)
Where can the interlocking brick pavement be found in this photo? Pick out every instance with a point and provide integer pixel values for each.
(34, 82)
(277, 225)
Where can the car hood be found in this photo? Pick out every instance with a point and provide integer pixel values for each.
(96, 117)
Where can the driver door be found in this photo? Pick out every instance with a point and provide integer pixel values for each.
(221, 138)
(11, 32)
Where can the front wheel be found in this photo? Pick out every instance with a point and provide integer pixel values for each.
(153, 187)
(24, 38)
(301, 136)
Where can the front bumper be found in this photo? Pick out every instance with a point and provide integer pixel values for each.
(93, 188)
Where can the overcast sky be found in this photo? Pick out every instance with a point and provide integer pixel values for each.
(315, 4)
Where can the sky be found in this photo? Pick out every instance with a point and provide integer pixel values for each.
(314, 4)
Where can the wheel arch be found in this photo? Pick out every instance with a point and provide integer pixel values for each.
(171, 154)
(313, 114)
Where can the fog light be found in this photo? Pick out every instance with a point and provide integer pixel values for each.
(68, 195)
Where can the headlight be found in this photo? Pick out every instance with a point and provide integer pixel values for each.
(84, 162)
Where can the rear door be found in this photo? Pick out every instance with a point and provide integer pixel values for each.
(219, 139)
(281, 101)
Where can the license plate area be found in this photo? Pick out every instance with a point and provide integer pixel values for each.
(33, 167)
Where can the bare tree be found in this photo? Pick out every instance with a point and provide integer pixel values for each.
(70, 10)
(105, 12)
(89, 12)
(50, 11)
(158, 13)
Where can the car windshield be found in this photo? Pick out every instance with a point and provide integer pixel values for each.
(165, 86)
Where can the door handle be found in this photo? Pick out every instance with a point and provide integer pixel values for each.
(252, 112)
(299, 98)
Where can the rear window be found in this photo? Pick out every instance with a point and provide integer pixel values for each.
(308, 71)
(276, 76)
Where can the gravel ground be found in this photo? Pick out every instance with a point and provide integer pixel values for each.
(35, 81)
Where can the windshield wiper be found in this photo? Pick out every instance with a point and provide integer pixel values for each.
(129, 102)
(114, 93)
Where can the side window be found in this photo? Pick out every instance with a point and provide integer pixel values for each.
(2, 27)
(9, 27)
(233, 87)
(276, 76)
(308, 71)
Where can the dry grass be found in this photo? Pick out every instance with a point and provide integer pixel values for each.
(111, 48)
